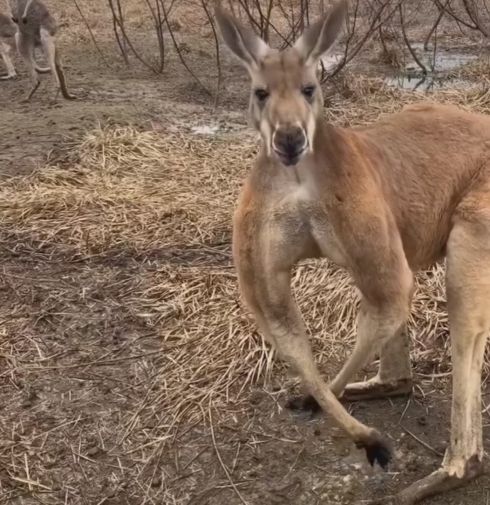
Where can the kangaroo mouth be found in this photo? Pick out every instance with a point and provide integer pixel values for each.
(290, 158)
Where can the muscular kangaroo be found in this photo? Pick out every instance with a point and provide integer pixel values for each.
(383, 201)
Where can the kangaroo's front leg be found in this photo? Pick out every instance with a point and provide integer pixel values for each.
(264, 256)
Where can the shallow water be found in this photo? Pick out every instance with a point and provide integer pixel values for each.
(428, 82)
(205, 129)
(438, 66)
(445, 60)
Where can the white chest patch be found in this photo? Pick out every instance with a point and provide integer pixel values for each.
(303, 209)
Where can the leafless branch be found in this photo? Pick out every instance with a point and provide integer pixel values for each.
(407, 42)
(91, 33)
(179, 52)
(218, 57)
(434, 27)
(281, 21)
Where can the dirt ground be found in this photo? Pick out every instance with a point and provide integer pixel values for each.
(80, 363)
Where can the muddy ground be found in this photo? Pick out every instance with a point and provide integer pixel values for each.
(68, 417)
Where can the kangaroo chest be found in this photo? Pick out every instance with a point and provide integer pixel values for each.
(302, 218)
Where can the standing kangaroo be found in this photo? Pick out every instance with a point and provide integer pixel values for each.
(383, 201)
(36, 27)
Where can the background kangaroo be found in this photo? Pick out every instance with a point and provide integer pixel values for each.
(382, 201)
(36, 28)
(7, 35)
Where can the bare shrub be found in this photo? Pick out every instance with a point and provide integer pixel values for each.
(280, 21)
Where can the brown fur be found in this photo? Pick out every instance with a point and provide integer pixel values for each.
(383, 201)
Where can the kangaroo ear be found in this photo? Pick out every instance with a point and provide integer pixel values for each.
(248, 47)
(322, 35)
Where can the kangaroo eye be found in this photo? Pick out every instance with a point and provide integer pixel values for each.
(261, 94)
(308, 91)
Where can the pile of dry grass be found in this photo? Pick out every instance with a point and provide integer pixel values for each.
(132, 236)
(128, 192)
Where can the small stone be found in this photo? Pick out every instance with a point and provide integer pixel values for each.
(156, 481)
(93, 451)
(255, 398)
(49, 461)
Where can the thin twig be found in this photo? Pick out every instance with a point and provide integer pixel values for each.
(421, 442)
(375, 24)
(179, 52)
(404, 411)
(157, 21)
(407, 42)
(472, 12)
(447, 8)
(434, 27)
(120, 23)
(225, 469)
(217, 49)
(91, 33)
(115, 25)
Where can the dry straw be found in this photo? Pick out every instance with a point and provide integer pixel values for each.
(118, 276)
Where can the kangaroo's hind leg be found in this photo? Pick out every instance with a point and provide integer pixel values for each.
(394, 377)
(468, 292)
(25, 46)
(51, 52)
(381, 327)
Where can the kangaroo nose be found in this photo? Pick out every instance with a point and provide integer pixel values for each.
(289, 143)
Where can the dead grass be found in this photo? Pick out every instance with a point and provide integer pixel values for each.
(130, 192)
(477, 70)
(120, 320)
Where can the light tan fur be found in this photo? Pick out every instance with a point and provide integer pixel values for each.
(7, 42)
(37, 28)
(383, 201)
